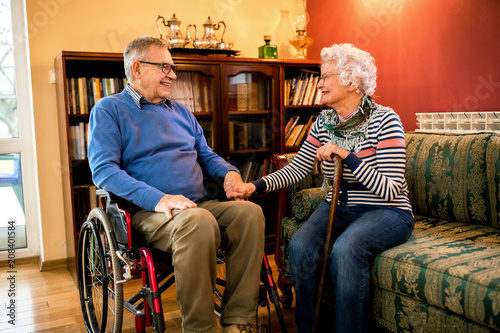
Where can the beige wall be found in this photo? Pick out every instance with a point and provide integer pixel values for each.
(107, 26)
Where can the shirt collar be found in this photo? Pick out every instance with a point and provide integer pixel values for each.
(139, 99)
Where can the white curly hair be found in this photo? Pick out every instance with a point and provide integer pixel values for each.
(355, 66)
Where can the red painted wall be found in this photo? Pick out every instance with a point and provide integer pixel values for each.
(431, 55)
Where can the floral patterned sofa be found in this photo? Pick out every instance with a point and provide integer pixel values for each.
(446, 277)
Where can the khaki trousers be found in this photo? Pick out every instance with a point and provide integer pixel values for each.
(193, 237)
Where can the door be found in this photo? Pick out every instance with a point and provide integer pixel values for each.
(19, 208)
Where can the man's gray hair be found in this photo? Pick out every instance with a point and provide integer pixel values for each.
(136, 51)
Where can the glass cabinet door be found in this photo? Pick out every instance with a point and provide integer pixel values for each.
(249, 101)
(249, 117)
(250, 108)
(196, 87)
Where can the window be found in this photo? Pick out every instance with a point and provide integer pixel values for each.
(19, 212)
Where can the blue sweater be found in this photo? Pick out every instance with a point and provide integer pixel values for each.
(141, 154)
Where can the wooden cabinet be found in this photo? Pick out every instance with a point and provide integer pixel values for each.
(73, 117)
(250, 126)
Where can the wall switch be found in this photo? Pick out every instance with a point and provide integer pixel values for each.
(52, 74)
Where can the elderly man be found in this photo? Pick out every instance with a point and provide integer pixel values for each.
(152, 152)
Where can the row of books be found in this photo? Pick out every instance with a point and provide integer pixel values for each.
(84, 92)
(79, 140)
(254, 170)
(297, 129)
(194, 90)
(302, 90)
(248, 92)
(249, 135)
(86, 199)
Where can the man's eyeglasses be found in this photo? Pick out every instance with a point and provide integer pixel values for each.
(326, 76)
(165, 67)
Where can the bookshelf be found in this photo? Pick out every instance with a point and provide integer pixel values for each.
(300, 101)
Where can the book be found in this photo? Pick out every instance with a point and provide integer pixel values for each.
(312, 90)
(304, 131)
(253, 172)
(207, 94)
(231, 136)
(81, 95)
(245, 170)
(317, 100)
(197, 92)
(239, 136)
(70, 96)
(242, 96)
(307, 88)
(253, 97)
(293, 136)
(298, 89)
(264, 133)
(291, 127)
(293, 85)
(290, 123)
(96, 88)
(90, 94)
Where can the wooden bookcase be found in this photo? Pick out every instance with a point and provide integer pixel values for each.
(238, 101)
(299, 101)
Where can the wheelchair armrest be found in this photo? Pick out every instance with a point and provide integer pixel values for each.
(110, 197)
(120, 218)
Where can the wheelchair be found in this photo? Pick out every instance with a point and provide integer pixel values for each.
(107, 259)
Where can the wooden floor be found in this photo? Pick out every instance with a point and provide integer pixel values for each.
(49, 302)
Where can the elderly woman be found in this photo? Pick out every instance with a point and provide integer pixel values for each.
(373, 212)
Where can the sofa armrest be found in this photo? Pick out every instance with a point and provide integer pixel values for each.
(279, 161)
(306, 201)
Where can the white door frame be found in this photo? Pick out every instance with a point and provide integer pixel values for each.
(25, 144)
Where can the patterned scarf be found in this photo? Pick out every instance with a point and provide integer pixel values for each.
(350, 133)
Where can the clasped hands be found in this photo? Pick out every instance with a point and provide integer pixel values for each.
(241, 190)
(234, 187)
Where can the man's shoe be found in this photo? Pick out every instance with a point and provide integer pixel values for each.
(239, 329)
(247, 328)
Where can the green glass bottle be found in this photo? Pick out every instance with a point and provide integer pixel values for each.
(268, 51)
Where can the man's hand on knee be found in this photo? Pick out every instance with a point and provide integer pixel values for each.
(169, 202)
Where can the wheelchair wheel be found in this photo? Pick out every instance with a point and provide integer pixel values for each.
(99, 269)
(220, 283)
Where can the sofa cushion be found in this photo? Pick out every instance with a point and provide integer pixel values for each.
(413, 315)
(306, 201)
(450, 265)
(446, 176)
(289, 226)
(493, 179)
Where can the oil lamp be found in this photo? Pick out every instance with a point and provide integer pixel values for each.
(300, 19)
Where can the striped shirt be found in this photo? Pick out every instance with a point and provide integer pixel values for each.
(372, 177)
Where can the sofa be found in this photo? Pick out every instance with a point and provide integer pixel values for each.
(446, 277)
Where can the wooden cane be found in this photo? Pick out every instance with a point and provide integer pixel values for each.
(337, 177)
